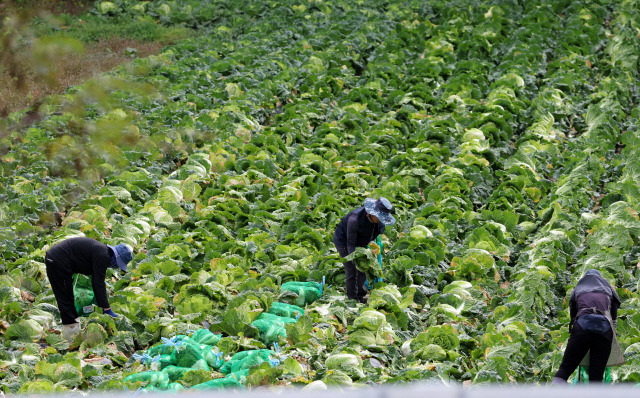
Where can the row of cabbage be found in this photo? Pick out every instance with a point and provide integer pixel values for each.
(533, 313)
(525, 309)
(613, 229)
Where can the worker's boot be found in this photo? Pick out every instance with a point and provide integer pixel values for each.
(558, 381)
(70, 331)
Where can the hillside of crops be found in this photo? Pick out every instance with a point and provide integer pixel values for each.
(505, 133)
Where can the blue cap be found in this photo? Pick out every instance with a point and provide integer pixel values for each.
(123, 255)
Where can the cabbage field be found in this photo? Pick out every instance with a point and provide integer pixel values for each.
(505, 133)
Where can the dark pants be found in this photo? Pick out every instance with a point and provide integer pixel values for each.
(577, 347)
(355, 277)
(62, 286)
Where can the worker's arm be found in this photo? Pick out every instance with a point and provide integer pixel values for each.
(614, 313)
(98, 275)
(352, 233)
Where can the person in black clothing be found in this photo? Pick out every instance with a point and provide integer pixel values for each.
(357, 229)
(82, 256)
(593, 308)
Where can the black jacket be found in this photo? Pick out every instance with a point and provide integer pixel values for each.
(592, 290)
(355, 230)
(583, 304)
(84, 256)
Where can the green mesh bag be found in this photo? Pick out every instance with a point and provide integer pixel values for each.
(226, 367)
(269, 332)
(307, 292)
(247, 363)
(276, 319)
(217, 384)
(153, 379)
(244, 354)
(287, 310)
(175, 387)
(189, 356)
(160, 349)
(175, 372)
(239, 375)
(83, 296)
(167, 346)
(165, 360)
(204, 336)
(213, 356)
(233, 364)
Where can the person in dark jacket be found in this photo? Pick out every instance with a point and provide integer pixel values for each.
(82, 256)
(357, 229)
(593, 308)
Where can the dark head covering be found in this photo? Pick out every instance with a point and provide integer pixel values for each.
(122, 255)
(593, 282)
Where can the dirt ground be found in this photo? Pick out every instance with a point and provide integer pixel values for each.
(72, 70)
(73, 7)
(21, 88)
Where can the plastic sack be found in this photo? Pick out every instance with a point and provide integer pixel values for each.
(240, 375)
(213, 356)
(269, 332)
(204, 336)
(237, 361)
(175, 372)
(83, 296)
(168, 345)
(256, 358)
(159, 349)
(244, 354)
(189, 356)
(153, 379)
(287, 310)
(378, 248)
(582, 375)
(307, 292)
(271, 327)
(276, 319)
(175, 387)
(165, 360)
(218, 384)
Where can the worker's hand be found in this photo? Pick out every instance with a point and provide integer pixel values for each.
(109, 311)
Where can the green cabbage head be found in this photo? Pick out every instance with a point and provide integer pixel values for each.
(443, 335)
(431, 352)
(348, 363)
(371, 328)
(107, 7)
(337, 378)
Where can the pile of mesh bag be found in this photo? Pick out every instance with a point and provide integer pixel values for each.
(272, 324)
(174, 358)
(176, 362)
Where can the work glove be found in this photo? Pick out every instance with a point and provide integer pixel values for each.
(110, 312)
